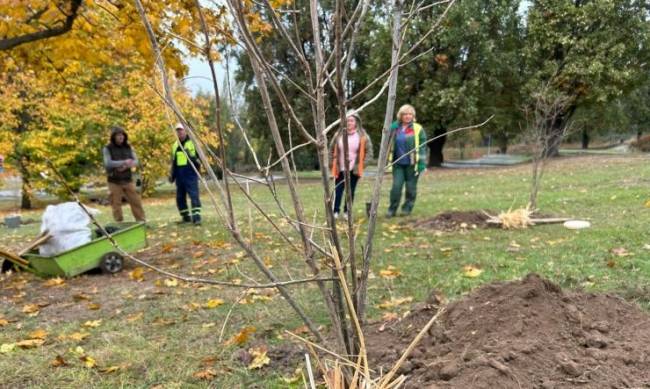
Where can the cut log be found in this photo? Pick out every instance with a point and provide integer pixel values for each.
(549, 220)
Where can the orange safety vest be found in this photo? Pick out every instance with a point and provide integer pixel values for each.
(361, 156)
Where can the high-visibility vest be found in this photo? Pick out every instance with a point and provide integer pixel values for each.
(417, 129)
(178, 156)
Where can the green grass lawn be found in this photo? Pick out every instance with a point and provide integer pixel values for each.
(156, 333)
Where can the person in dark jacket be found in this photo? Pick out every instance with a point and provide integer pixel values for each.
(119, 161)
(185, 165)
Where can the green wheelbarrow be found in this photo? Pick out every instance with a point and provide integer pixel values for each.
(98, 253)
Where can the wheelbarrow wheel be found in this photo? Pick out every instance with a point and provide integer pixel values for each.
(112, 263)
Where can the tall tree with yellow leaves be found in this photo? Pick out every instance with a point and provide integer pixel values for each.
(71, 69)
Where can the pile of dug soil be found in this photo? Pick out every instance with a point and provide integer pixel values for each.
(453, 221)
(524, 334)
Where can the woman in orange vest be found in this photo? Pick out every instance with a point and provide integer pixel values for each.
(359, 153)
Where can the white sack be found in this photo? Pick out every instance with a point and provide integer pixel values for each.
(68, 225)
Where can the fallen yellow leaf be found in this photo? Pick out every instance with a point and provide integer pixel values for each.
(7, 347)
(259, 297)
(242, 336)
(80, 296)
(297, 375)
(88, 361)
(301, 330)
(171, 282)
(58, 281)
(30, 343)
(137, 274)
(260, 358)
(94, 306)
(207, 374)
(109, 369)
(554, 242)
(30, 308)
(208, 361)
(78, 336)
(135, 317)
(471, 271)
(192, 306)
(213, 303)
(395, 302)
(93, 323)
(389, 316)
(38, 334)
(159, 321)
(391, 272)
(58, 362)
(3, 322)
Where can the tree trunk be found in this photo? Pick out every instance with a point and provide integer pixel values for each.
(26, 189)
(144, 185)
(552, 146)
(436, 158)
(557, 129)
(25, 196)
(502, 143)
(381, 161)
(639, 133)
(585, 139)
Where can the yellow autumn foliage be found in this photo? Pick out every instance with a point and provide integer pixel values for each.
(61, 95)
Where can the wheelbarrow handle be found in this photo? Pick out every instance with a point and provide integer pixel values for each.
(40, 239)
(13, 258)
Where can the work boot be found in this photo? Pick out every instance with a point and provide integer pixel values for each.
(185, 219)
(196, 219)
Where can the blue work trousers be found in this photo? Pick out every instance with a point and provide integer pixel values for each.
(188, 186)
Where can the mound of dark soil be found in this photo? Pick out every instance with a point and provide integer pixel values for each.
(524, 334)
(454, 220)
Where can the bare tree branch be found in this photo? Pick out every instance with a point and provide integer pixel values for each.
(230, 220)
(10, 43)
(292, 44)
(263, 89)
(383, 156)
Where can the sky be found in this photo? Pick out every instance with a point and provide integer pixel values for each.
(199, 79)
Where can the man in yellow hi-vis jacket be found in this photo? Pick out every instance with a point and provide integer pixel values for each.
(185, 165)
